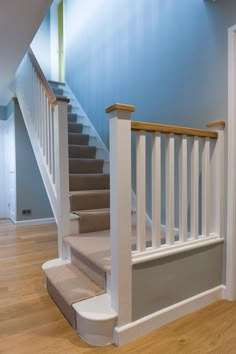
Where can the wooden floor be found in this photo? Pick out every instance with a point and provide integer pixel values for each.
(31, 323)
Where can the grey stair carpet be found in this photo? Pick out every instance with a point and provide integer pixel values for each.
(72, 117)
(93, 220)
(85, 165)
(78, 139)
(90, 199)
(69, 108)
(90, 181)
(75, 128)
(82, 151)
(66, 284)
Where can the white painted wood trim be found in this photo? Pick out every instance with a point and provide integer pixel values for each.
(35, 222)
(170, 189)
(231, 182)
(120, 211)
(141, 189)
(179, 247)
(156, 190)
(133, 330)
(194, 202)
(183, 184)
(206, 187)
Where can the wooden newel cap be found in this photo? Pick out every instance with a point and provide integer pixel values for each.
(120, 107)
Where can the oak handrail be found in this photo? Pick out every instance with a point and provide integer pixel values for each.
(171, 129)
(48, 91)
(218, 123)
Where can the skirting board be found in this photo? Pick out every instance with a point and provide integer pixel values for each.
(133, 330)
(35, 222)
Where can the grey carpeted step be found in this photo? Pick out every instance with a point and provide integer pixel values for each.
(69, 108)
(75, 127)
(56, 83)
(89, 181)
(82, 151)
(57, 91)
(94, 246)
(94, 199)
(92, 271)
(93, 220)
(78, 139)
(72, 117)
(85, 165)
(66, 284)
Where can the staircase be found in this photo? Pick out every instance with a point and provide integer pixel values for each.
(71, 284)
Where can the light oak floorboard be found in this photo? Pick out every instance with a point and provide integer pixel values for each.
(31, 323)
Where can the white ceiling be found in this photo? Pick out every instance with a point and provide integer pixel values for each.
(19, 21)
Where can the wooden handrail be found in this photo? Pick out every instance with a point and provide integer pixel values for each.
(171, 129)
(48, 91)
(218, 123)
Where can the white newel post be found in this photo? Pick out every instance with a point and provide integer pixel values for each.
(217, 173)
(120, 210)
(62, 174)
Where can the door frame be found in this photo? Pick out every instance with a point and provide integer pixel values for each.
(54, 39)
(230, 293)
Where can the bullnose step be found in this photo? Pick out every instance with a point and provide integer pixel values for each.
(67, 285)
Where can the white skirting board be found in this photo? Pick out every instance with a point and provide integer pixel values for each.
(133, 330)
(35, 222)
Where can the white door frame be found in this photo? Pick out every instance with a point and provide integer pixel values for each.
(231, 182)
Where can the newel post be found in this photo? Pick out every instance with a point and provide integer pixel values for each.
(218, 200)
(120, 210)
(62, 174)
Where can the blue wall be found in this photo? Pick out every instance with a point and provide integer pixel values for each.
(30, 190)
(41, 46)
(168, 58)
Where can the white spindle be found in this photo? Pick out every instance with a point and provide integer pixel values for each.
(120, 180)
(170, 189)
(205, 187)
(194, 219)
(156, 190)
(183, 184)
(141, 190)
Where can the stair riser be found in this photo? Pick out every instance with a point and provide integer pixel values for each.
(78, 139)
(86, 152)
(66, 309)
(75, 128)
(98, 276)
(94, 222)
(85, 166)
(87, 202)
(89, 182)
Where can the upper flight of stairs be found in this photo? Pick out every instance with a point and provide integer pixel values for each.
(89, 186)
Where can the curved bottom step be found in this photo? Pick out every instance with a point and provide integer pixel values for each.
(95, 320)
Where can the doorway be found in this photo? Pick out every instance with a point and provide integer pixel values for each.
(57, 40)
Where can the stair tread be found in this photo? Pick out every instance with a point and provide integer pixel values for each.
(95, 246)
(92, 211)
(90, 192)
(72, 284)
(85, 159)
(53, 82)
